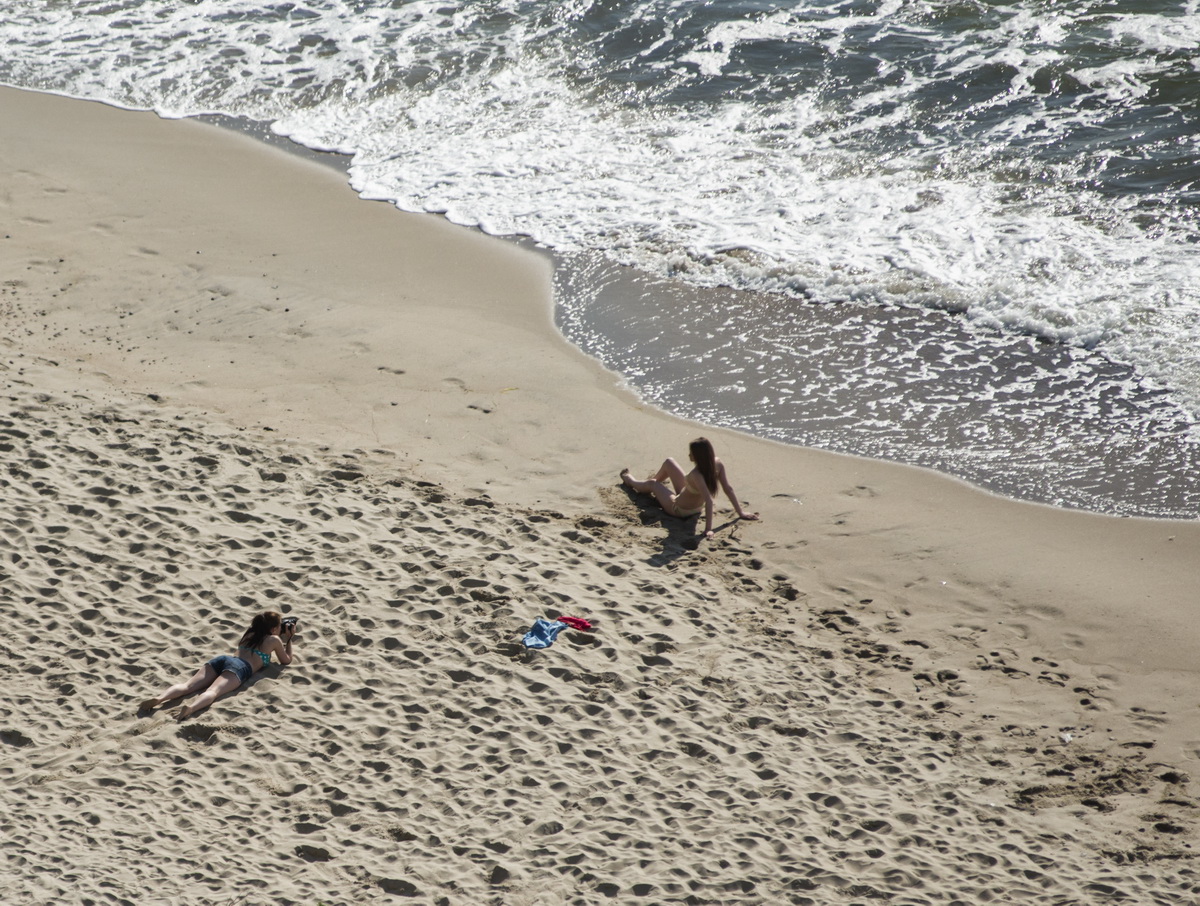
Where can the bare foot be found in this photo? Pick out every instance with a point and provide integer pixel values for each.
(625, 475)
(148, 705)
(184, 713)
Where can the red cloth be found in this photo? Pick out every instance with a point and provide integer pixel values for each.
(578, 623)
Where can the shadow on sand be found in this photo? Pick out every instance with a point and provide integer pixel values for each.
(682, 535)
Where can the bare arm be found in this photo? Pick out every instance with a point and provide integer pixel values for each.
(280, 646)
(731, 494)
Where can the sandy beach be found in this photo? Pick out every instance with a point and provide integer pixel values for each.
(231, 385)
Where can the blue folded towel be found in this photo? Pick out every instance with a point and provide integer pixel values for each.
(543, 633)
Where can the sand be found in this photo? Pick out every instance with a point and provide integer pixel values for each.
(230, 385)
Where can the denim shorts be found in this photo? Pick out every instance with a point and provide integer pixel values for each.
(235, 665)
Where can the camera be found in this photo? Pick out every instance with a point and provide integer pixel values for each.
(288, 623)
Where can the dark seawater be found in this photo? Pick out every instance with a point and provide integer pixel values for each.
(955, 234)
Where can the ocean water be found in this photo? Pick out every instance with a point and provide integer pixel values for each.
(954, 233)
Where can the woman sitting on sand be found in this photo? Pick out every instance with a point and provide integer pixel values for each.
(688, 494)
(267, 637)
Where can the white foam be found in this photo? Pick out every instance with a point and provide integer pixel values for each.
(501, 125)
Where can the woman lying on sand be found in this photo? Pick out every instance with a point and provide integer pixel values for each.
(688, 494)
(267, 637)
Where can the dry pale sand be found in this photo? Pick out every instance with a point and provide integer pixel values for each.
(228, 385)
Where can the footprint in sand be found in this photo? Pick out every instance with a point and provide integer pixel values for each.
(861, 490)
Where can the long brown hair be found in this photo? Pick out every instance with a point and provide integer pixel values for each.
(706, 460)
(260, 628)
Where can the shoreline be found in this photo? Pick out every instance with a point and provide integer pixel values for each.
(181, 288)
(1096, 492)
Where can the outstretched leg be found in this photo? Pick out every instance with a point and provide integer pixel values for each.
(201, 679)
(662, 492)
(226, 682)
